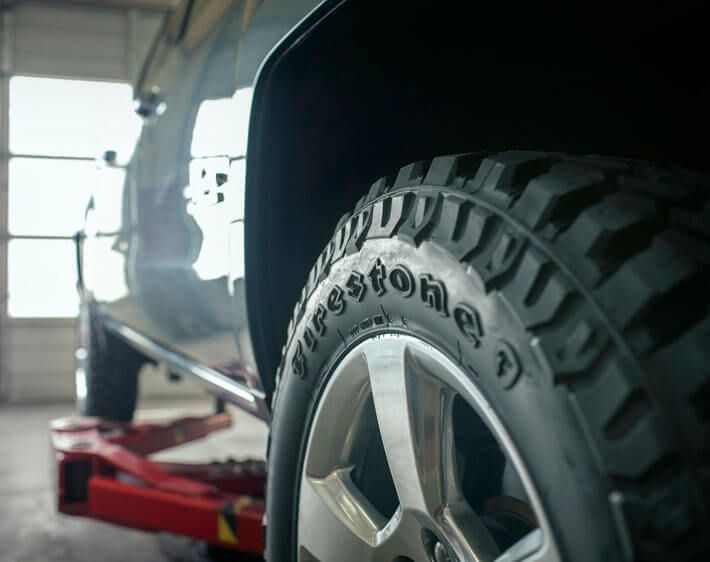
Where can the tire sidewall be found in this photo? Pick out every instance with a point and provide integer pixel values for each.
(448, 308)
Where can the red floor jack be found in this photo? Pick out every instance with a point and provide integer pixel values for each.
(103, 473)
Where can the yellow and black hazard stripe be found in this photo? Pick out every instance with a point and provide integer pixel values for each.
(179, 435)
(227, 517)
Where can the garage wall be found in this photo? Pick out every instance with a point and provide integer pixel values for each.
(80, 42)
(5, 68)
(66, 40)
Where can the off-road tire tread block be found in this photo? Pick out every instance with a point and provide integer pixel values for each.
(607, 263)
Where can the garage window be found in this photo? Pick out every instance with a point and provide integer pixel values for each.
(57, 128)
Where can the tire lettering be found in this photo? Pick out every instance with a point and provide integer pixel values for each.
(377, 276)
(356, 286)
(309, 339)
(469, 323)
(506, 364)
(298, 362)
(402, 280)
(433, 293)
(317, 320)
(336, 301)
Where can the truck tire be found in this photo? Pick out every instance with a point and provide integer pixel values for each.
(568, 297)
(106, 370)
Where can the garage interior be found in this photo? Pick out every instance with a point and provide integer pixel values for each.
(558, 313)
(65, 97)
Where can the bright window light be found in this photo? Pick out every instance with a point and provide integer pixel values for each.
(221, 126)
(53, 120)
(41, 279)
(108, 197)
(49, 197)
(56, 117)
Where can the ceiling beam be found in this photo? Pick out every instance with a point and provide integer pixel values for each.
(147, 5)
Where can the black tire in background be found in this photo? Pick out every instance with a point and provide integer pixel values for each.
(575, 290)
(106, 370)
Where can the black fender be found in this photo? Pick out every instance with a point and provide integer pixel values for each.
(264, 331)
(359, 89)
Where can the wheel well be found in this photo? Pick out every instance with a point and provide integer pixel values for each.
(365, 90)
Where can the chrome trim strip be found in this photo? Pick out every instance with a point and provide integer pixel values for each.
(250, 400)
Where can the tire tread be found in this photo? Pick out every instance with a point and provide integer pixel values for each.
(594, 254)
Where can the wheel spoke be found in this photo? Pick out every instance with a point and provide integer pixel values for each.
(413, 414)
(531, 548)
(335, 518)
(466, 532)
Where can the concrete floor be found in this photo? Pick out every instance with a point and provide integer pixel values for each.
(31, 530)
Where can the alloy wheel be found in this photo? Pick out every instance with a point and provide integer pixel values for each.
(406, 460)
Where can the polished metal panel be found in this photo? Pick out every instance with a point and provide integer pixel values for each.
(169, 264)
(413, 387)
